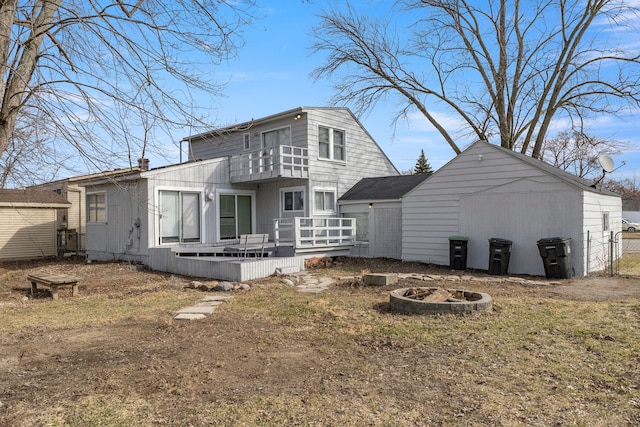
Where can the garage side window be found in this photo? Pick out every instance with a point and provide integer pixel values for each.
(97, 207)
(605, 221)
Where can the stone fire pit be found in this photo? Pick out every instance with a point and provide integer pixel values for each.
(420, 300)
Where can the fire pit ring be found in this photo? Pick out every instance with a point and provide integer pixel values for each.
(461, 302)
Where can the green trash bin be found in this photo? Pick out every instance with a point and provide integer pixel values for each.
(556, 256)
(458, 252)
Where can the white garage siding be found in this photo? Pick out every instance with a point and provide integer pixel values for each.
(487, 191)
(596, 209)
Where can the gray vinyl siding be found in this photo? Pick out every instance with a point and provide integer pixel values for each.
(27, 233)
(232, 143)
(364, 158)
(119, 238)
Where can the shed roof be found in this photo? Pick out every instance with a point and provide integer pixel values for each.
(570, 178)
(32, 198)
(384, 188)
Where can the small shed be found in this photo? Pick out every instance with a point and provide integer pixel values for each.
(28, 227)
(376, 204)
(490, 192)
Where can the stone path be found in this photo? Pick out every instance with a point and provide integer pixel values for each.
(311, 283)
(206, 306)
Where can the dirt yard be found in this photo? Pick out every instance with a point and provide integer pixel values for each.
(561, 353)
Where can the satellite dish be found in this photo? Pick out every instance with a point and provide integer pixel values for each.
(606, 162)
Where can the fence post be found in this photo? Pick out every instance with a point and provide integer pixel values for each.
(611, 254)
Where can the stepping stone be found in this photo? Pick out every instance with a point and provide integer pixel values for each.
(209, 303)
(197, 310)
(189, 316)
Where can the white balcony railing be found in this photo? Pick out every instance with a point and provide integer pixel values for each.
(305, 233)
(273, 162)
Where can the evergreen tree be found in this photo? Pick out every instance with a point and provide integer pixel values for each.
(422, 165)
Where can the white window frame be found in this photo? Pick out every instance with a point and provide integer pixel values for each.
(246, 141)
(158, 209)
(89, 210)
(335, 201)
(294, 190)
(606, 221)
(332, 144)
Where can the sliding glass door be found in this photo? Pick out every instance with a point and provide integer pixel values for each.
(234, 216)
(179, 217)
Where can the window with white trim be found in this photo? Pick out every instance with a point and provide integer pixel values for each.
(97, 207)
(292, 199)
(331, 144)
(324, 201)
(247, 141)
(605, 221)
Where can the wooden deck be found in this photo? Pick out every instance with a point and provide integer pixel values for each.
(213, 263)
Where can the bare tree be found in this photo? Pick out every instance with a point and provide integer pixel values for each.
(505, 68)
(28, 158)
(628, 189)
(82, 63)
(578, 153)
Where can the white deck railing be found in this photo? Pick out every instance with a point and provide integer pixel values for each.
(280, 161)
(304, 233)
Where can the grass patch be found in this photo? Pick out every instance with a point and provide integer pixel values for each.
(629, 264)
(274, 356)
(91, 310)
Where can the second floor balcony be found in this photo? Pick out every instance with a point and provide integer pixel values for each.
(282, 161)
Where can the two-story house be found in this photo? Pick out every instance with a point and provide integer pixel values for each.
(280, 175)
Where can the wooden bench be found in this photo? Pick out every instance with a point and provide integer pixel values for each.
(53, 282)
(250, 243)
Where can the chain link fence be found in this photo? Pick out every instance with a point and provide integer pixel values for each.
(629, 263)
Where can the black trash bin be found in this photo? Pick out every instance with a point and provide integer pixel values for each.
(556, 256)
(499, 254)
(458, 252)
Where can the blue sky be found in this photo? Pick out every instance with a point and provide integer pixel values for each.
(271, 71)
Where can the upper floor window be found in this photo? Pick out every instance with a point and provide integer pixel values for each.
(331, 144)
(276, 137)
(247, 141)
(96, 207)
